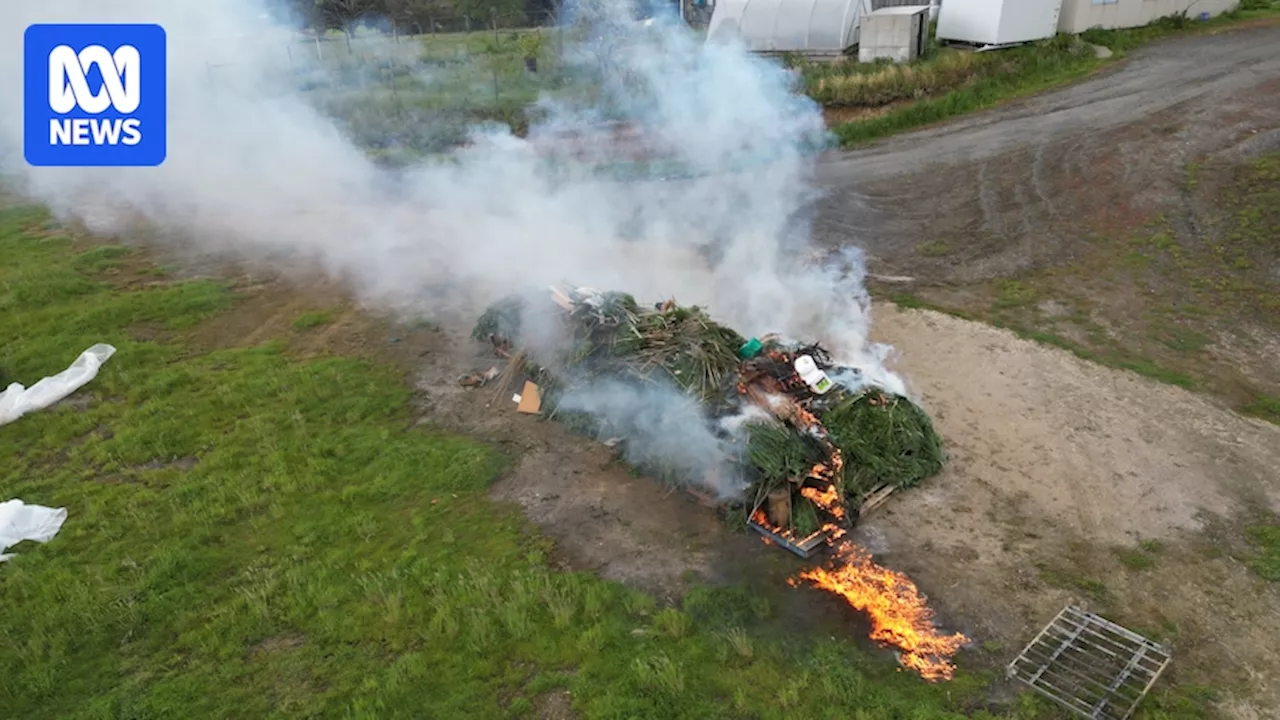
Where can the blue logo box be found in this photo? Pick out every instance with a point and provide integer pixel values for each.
(94, 95)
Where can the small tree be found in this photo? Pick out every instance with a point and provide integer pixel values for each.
(342, 14)
(418, 14)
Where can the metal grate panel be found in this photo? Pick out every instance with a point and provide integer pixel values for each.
(1090, 665)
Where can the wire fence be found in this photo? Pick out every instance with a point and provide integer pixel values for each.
(511, 50)
(420, 91)
(424, 92)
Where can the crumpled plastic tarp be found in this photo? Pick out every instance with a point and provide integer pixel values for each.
(17, 401)
(20, 521)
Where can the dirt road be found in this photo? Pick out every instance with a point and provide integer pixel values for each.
(1010, 188)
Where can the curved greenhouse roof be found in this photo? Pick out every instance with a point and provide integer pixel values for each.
(816, 26)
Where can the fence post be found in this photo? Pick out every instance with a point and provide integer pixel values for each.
(493, 19)
(391, 71)
(555, 23)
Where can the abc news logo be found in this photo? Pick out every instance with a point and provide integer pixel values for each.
(95, 95)
(69, 89)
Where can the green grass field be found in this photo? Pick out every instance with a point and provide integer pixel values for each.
(251, 535)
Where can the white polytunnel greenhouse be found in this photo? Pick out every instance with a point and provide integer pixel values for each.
(804, 26)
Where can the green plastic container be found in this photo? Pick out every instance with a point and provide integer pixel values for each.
(751, 349)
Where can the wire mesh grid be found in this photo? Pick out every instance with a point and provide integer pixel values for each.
(1090, 665)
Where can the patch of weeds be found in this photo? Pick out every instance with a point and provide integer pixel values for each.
(1193, 175)
(1049, 338)
(1138, 558)
(934, 249)
(1033, 706)
(672, 623)
(1181, 339)
(309, 320)
(854, 84)
(100, 259)
(1263, 406)
(1154, 371)
(1163, 241)
(1135, 260)
(1138, 365)
(1266, 563)
(425, 324)
(739, 642)
(1015, 294)
(1165, 630)
(1178, 702)
(659, 673)
(726, 606)
(1095, 590)
(1014, 73)
(909, 301)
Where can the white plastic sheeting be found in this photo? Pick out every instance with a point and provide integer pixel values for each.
(806, 26)
(20, 521)
(17, 401)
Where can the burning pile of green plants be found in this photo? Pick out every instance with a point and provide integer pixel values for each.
(809, 430)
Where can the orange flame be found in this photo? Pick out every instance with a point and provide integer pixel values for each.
(897, 609)
(898, 613)
(828, 499)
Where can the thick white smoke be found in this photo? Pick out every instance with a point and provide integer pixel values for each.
(253, 169)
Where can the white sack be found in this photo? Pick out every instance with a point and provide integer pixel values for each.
(20, 521)
(17, 401)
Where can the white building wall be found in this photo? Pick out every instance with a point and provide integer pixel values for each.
(997, 22)
(1080, 15)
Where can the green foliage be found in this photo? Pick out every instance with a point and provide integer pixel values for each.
(309, 320)
(1180, 702)
(780, 452)
(1019, 71)
(503, 318)
(1267, 540)
(886, 440)
(699, 354)
(1140, 558)
(849, 83)
(1265, 407)
(613, 337)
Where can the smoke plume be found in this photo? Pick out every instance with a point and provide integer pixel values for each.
(664, 430)
(255, 171)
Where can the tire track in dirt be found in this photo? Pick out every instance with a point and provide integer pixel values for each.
(1056, 143)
